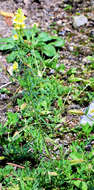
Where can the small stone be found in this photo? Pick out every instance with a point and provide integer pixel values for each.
(88, 147)
(52, 71)
(66, 1)
(18, 1)
(86, 60)
(77, 1)
(79, 21)
(59, 22)
(4, 97)
(92, 34)
(92, 2)
(71, 47)
(62, 33)
(72, 1)
(58, 65)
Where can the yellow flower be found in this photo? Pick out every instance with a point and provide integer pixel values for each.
(19, 19)
(15, 37)
(18, 26)
(15, 66)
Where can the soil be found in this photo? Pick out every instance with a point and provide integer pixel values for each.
(50, 16)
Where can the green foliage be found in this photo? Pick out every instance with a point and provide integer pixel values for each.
(28, 136)
(53, 174)
(68, 7)
(6, 44)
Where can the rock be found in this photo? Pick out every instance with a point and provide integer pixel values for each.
(79, 21)
(71, 47)
(4, 97)
(88, 147)
(59, 22)
(52, 71)
(92, 2)
(66, 1)
(85, 60)
(92, 34)
(62, 33)
(18, 1)
(72, 1)
(77, 1)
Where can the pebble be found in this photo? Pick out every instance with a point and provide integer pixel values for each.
(79, 21)
(52, 71)
(92, 2)
(62, 33)
(66, 1)
(92, 34)
(59, 22)
(4, 97)
(86, 60)
(18, 1)
(71, 47)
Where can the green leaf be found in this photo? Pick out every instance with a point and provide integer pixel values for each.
(75, 155)
(77, 183)
(49, 50)
(68, 7)
(36, 54)
(90, 58)
(44, 37)
(76, 111)
(12, 56)
(21, 53)
(15, 54)
(28, 33)
(59, 42)
(13, 118)
(59, 102)
(6, 46)
(72, 78)
(76, 161)
(5, 40)
(84, 186)
(61, 68)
